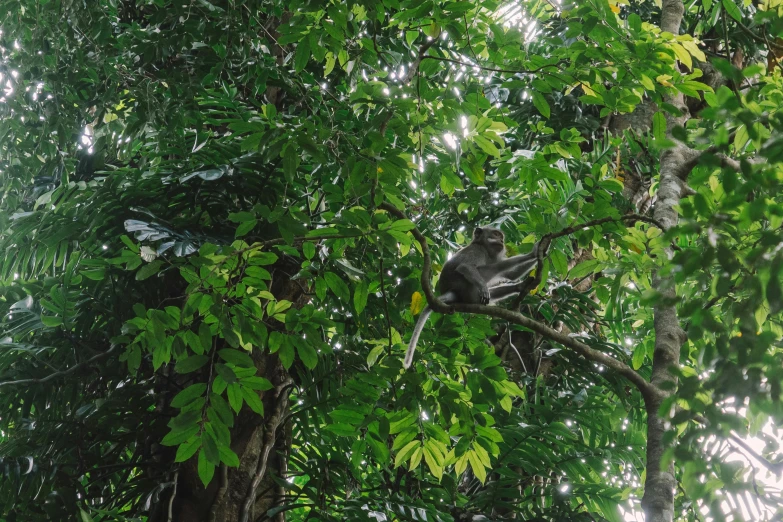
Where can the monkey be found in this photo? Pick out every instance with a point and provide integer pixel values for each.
(467, 276)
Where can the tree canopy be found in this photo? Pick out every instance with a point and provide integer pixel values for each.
(220, 221)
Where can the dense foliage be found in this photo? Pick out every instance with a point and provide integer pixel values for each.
(203, 283)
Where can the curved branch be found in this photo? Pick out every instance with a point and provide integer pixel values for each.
(591, 354)
(648, 391)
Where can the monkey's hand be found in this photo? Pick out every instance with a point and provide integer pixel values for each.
(484, 294)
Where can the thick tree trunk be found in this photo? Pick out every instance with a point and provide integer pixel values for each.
(241, 494)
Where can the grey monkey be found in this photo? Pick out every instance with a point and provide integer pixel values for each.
(467, 277)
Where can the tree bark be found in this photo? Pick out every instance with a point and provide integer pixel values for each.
(659, 488)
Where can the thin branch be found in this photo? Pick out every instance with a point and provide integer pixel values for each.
(63, 373)
(492, 69)
(649, 392)
(533, 282)
(270, 437)
(173, 496)
(423, 48)
(774, 467)
(385, 303)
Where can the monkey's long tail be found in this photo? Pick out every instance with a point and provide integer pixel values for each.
(425, 314)
(448, 297)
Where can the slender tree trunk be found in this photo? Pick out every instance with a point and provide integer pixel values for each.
(659, 488)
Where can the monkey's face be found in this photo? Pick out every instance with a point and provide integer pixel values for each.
(491, 237)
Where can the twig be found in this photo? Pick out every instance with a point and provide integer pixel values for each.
(270, 437)
(649, 392)
(492, 69)
(774, 467)
(423, 48)
(385, 304)
(533, 282)
(63, 373)
(173, 496)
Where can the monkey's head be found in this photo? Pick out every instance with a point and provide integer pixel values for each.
(492, 238)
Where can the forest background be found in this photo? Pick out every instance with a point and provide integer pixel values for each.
(219, 221)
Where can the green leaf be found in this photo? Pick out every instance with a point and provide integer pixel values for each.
(286, 354)
(191, 364)
(405, 453)
(253, 400)
(256, 383)
(542, 105)
(234, 392)
(584, 268)
(237, 357)
(308, 249)
(732, 9)
(338, 286)
(659, 126)
(178, 435)
(302, 55)
(206, 470)
(188, 395)
(245, 227)
(228, 457)
(330, 62)
(307, 353)
(376, 352)
(478, 468)
(149, 270)
(639, 351)
(205, 336)
(51, 321)
(360, 296)
(487, 146)
(682, 55)
(187, 449)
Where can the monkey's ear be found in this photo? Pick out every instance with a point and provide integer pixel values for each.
(477, 233)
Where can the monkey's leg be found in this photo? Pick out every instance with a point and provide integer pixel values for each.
(448, 297)
(500, 292)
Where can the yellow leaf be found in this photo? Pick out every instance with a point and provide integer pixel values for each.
(663, 79)
(615, 9)
(417, 303)
(588, 90)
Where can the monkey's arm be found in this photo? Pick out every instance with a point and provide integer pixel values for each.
(511, 268)
(475, 279)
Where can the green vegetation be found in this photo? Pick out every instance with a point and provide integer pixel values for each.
(211, 224)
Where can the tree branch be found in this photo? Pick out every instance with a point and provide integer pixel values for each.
(649, 392)
(423, 48)
(774, 467)
(533, 282)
